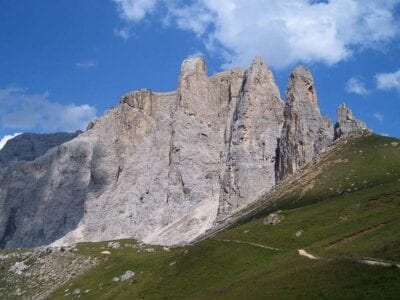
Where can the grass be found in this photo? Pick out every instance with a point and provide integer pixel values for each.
(347, 207)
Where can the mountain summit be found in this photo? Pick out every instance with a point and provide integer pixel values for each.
(164, 168)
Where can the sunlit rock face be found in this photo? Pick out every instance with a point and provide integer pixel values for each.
(347, 123)
(164, 168)
(305, 131)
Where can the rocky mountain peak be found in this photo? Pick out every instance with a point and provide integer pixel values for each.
(347, 123)
(260, 75)
(305, 132)
(193, 65)
(301, 89)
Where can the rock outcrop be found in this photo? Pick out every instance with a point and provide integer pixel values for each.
(165, 167)
(29, 146)
(250, 139)
(347, 124)
(305, 132)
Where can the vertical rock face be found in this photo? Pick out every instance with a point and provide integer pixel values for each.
(165, 167)
(251, 138)
(347, 124)
(305, 132)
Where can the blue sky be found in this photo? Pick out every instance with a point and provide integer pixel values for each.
(64, 62)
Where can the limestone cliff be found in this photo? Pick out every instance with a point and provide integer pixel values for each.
(305, 131)
(165, 167)
(348, 124)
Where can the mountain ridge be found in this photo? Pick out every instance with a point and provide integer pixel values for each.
(165, 167)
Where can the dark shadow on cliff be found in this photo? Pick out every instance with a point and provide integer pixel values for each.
(27, 218)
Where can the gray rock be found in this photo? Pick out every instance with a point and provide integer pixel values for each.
(127, 275)
(305, 132)
(114, 245)
(251, 136)
(76, 292)
(299, 233)
(18, 268)
(29, 146)
(347, 124)
(273, 219)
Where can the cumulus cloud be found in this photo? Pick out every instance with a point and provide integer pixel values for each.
(135, 10)
(388, 81)
(23, 111)
(6, 138)
(379, 117)
(87, 64)
(356, 86)
(284, 32)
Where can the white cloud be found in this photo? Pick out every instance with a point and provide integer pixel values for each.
(23, 111)
(388, 81)
(123, 33)
(6, 138)
(87, 64)
(379, 117)
(356, 86)
(283, 32)
(135, 10)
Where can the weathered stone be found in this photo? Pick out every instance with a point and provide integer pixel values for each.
(29, 146)
(347, 124)
(18, 268)
(273, 219)
(127, 275)
(251, 139)
(305, 132)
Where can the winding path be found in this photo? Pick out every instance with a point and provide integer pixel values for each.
(302, 252)
(249, 243)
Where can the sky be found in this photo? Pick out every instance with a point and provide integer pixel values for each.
(65, 62)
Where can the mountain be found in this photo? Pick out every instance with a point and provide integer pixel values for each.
(29, 146)
(166, 168)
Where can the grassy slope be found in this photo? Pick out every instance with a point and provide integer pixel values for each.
(347, 206)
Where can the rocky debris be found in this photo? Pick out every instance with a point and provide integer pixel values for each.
(149, 250)
(38, 272)
(29, 146)
(394, 144)
(18, 268)
(299, 233)
(114, 245)
(163, 168)
(305, 132)
(126, 276)
(105, 252)
(273, 219)
(347, 124)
